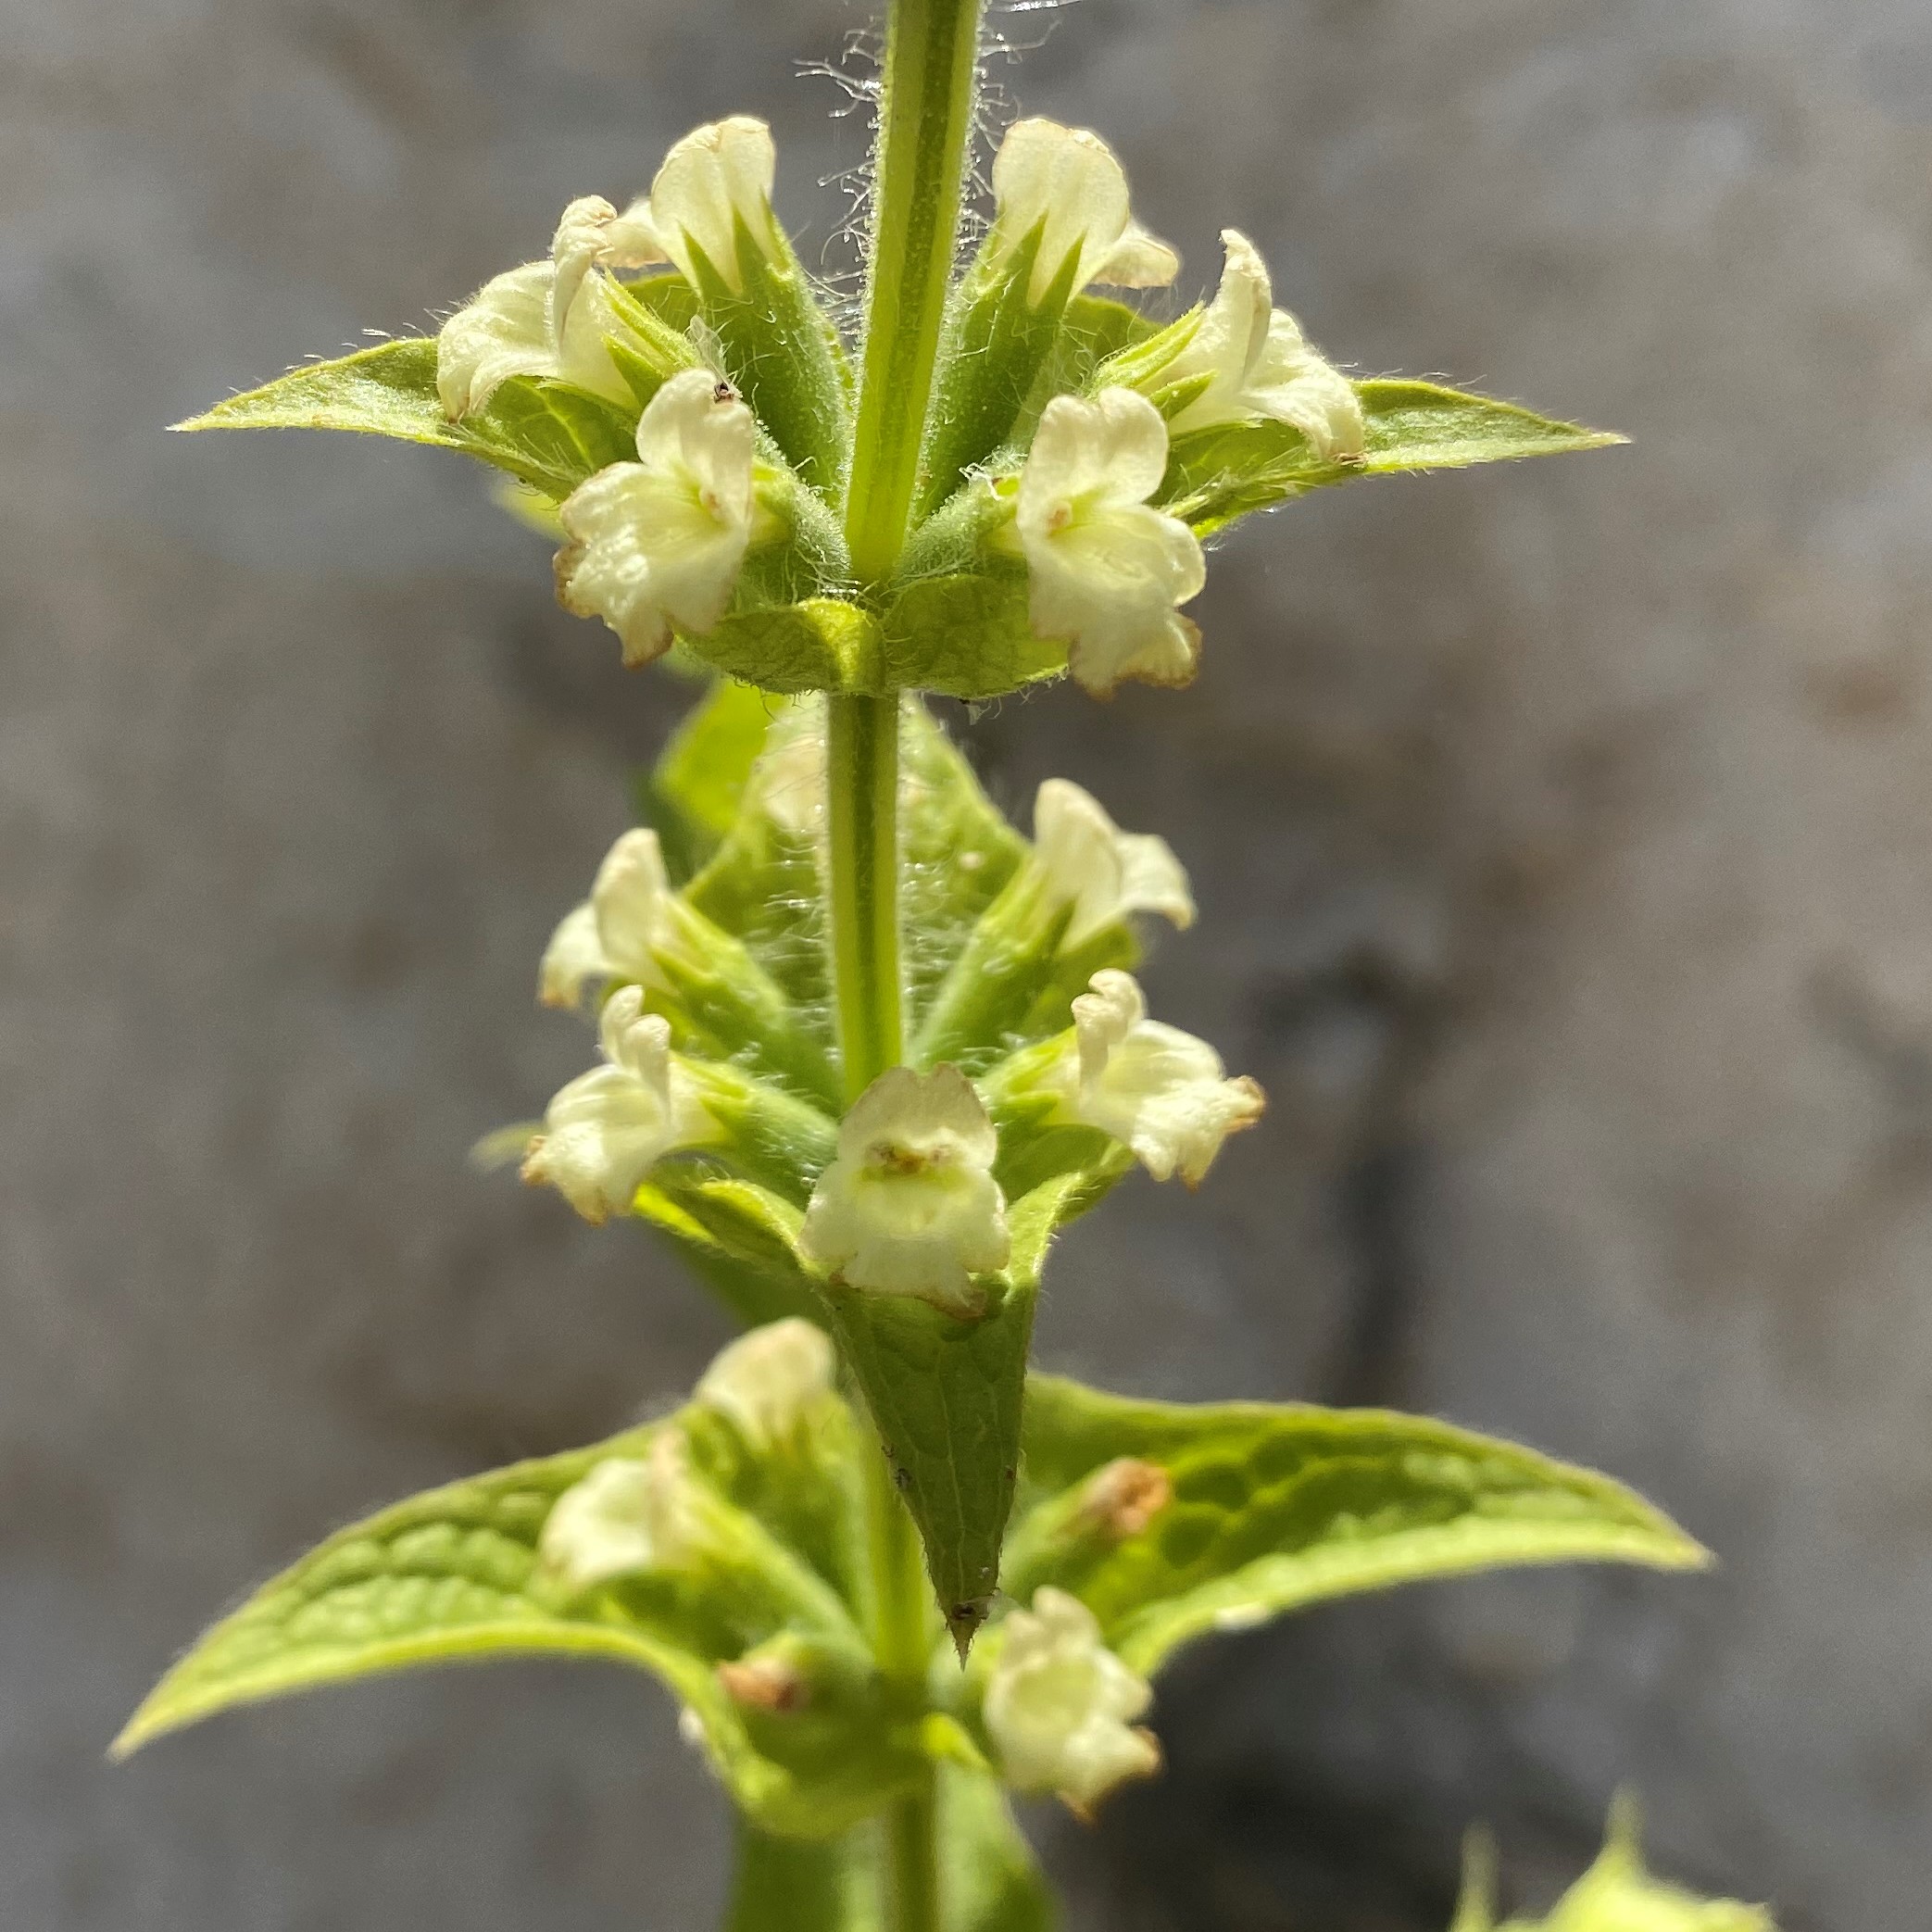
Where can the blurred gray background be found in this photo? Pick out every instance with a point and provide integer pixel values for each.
(1561, 835)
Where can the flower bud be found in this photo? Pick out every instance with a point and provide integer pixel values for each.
(909, 1205)
(607, 1129)
(771, 1380)
(628, 1515)
(1066, 186)
(1160, 1091)
(1103, 874)
(1106, 570)
(660, 540)
(1059, 1705)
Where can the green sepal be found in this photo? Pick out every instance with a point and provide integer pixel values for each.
(957, 853)
(1215, 476)
(1010, 981)
(653, 346)
(691, 797)
(945, 1394)
(819, 644)
(722, 1003)
(774, 1140)
(1274, 1507)
(995, 344)
(544, 434)
(782, 351)
(734, 1238)
(1095, 331)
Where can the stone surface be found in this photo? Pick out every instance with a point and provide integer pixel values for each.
(1560, 837)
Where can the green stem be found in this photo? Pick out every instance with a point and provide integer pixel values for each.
(925, 124)
(862, 776)
(902, 1638)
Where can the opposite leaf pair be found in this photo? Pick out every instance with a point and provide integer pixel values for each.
(723, 1550)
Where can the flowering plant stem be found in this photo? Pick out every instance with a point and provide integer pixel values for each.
(925, 123)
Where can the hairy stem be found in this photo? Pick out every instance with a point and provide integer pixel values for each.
(902, 1638)
(925, 124)
(863, 774)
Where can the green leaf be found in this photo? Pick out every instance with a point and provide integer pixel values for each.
(1277, 1507)
(823, 644)
(693, 795)
(967, 635)
(945, 1395)
(545, 434)
(1215, 476)
(454, 1576)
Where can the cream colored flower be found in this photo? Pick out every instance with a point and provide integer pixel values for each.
(1259, 365)
(660, 542)
(771, 1380)
(605, 1131)
(1068, 184)
(546, 318)
(628, 1515)
(1102, 872)
(909, 1206)
(716, 182)
(613, 935)
(1106, 570)
(1060, 1706)
(1158, 1090)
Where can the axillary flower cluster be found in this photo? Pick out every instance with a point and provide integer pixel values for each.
(1046, 451)
(863, 1047)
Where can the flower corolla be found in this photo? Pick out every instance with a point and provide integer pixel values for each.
(628, 1515)
(1162, 1092)
(1257, 364)
(715, 187)
(771, 1380)
(1059, 1705)
(1068, 184)
(1103, 874)
(909, 1205)
(607, 1129)
(1106, 570)
(545, 319)
(613, 935)
(660, 542)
